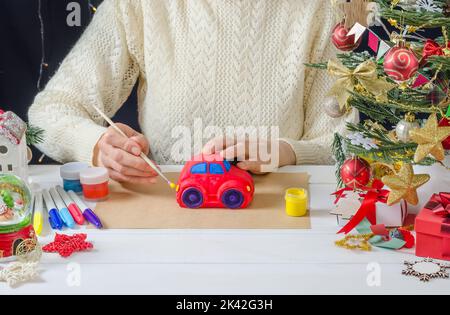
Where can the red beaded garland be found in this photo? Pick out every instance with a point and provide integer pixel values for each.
(342, 40)
(401, 63)
(356, 173)
(66, 245)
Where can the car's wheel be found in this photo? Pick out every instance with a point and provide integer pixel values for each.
(233, 199)
(192, 198)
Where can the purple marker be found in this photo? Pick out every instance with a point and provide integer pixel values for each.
(88, 214)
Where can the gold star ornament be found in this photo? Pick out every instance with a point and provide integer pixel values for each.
(430, 138)
(404, 185)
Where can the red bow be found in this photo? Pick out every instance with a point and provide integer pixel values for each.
(440, 204)
(368, 208)
(432, 48)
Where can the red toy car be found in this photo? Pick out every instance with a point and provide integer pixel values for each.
(211, 182)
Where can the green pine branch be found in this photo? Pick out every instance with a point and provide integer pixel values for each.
(413, 18)
(340, 157)
(350, 60)
(34, 135)
(388, 151)
(400, 102)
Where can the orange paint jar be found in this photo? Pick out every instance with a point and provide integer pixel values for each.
(95, 183)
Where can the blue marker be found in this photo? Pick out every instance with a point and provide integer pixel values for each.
(53, 215)
(63, 211)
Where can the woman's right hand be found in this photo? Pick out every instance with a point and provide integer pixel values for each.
(122, 156)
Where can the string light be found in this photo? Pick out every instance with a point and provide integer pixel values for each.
(44, 65)
(42, 30)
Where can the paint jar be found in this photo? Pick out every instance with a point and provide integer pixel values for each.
(70, 174)
(296, 202)
(95, 182)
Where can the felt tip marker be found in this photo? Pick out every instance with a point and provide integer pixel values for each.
(72, 206)
(90, 216)
(63, 211)
(38, 219)
(53, 215)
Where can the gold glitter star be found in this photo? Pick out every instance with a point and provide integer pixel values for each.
(429, 138)
(404, 185)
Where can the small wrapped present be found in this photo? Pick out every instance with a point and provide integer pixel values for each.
(353, 207)
(389, 216)
(433, 228)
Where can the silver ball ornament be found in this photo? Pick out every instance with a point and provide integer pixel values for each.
(332, 108)
(403, 128)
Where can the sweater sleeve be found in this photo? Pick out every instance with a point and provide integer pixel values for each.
(315, 145)
(99, 71)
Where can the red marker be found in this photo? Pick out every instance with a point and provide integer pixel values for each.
(71, 205)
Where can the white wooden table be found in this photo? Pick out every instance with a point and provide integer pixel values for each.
(225, 261)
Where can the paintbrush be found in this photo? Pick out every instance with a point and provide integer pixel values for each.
(143, 156)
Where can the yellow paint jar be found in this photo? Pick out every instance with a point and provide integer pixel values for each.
(296, 202)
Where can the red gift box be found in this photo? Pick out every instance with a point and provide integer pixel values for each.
(433, 228)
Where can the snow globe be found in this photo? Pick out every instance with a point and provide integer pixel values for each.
(17, 236)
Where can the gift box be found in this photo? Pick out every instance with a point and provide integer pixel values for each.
(390, 216)
(433, 228)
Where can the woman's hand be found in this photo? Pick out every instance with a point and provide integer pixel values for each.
(121, 156)
(253, 156)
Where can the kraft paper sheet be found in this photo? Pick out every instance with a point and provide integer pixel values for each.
(155, 207)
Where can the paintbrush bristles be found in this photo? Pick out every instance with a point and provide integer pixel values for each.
(143, 156)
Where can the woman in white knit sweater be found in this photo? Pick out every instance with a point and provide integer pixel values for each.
(198, 63)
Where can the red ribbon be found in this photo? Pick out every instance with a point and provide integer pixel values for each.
(432, 48)
(368, 207)
(440, 205)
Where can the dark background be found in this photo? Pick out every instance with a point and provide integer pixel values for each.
(21, 51)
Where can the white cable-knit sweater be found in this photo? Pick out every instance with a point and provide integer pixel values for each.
(227, 62)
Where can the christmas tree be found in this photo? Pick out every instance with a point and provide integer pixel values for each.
(400, 85)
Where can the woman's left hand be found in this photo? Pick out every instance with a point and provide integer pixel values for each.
(258, 157)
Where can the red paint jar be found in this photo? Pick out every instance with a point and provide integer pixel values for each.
(95, 183)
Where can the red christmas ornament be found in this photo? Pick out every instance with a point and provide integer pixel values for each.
(66, 245)
(401, 63)
(342, 40)
(356, 173)
(445, 122)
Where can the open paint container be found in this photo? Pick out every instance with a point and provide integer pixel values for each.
(70, 173)
(95, 183)
(296, 202)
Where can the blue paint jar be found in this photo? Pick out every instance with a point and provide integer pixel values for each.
(70, 173)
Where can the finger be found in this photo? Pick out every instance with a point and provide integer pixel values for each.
(143, 143)
(236, 151)
(114, 139)
(129, 145)
(124, 158)
(135, 143)
(252, 167)
(121, 178)
(125, 170)
(217, 145)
